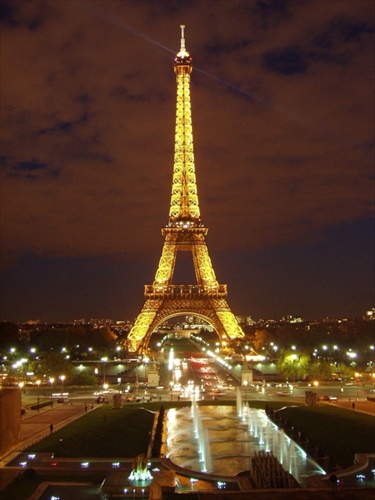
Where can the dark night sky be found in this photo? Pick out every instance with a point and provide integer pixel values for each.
(283, 121)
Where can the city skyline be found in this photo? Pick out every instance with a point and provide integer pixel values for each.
(283, 122)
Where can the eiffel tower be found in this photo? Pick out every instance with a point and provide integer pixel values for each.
(184, 232)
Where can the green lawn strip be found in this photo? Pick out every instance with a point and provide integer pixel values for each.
(105, 432)
(339, 432)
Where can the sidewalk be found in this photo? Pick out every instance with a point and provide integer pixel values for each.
(362, 405)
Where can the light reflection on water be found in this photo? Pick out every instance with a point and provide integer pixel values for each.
(233, 441)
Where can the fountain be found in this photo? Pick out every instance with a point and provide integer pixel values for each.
(140, 482)
(239, 402)
(201, 435)
(233, 437)
(140, 472)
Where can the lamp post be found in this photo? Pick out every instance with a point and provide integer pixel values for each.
(62, 378)
(38, 384)
(20, 385)
(104, 362)
(51, 380)
(316, 384)
(357, 377)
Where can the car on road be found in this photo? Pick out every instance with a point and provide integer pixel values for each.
(327, 398)
(133, 399)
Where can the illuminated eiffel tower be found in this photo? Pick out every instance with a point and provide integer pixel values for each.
(184, 232)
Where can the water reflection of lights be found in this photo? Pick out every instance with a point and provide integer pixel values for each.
(177, 374)
(232, 441)
(171, 360)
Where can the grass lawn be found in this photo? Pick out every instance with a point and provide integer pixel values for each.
(105, 432)
(339, 432)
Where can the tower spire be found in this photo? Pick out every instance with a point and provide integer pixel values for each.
(182, 49)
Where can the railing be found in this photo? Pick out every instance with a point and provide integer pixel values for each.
(185, 291)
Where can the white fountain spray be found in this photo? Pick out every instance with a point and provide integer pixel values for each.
(201, 434)
(239, 402)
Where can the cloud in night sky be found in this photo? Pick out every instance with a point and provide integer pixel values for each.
(283, 122)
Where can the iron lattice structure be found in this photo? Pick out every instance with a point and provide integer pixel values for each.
(184, 232)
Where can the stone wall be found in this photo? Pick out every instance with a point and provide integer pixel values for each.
(10, 418)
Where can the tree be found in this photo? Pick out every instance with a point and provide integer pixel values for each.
(293, 366)
(344, 371)
(53, 365)
(102, 338)
(83, 378)
(9, 336)
(320, 369)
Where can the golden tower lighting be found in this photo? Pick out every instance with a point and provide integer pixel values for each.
(184, 232)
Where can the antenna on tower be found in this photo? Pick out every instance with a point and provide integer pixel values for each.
(183, 49)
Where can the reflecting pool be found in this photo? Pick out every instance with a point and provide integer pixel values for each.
(223, 440)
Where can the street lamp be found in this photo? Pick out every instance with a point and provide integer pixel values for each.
(62, 378)
(38, 384)
(20, 385)
(51, 380)
(357, 377)
(104, 362)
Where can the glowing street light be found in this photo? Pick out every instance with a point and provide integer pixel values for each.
(20, 385)
(105, 359)
(62, 378)
(51, 381)
(357, 375)
(38, 384)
